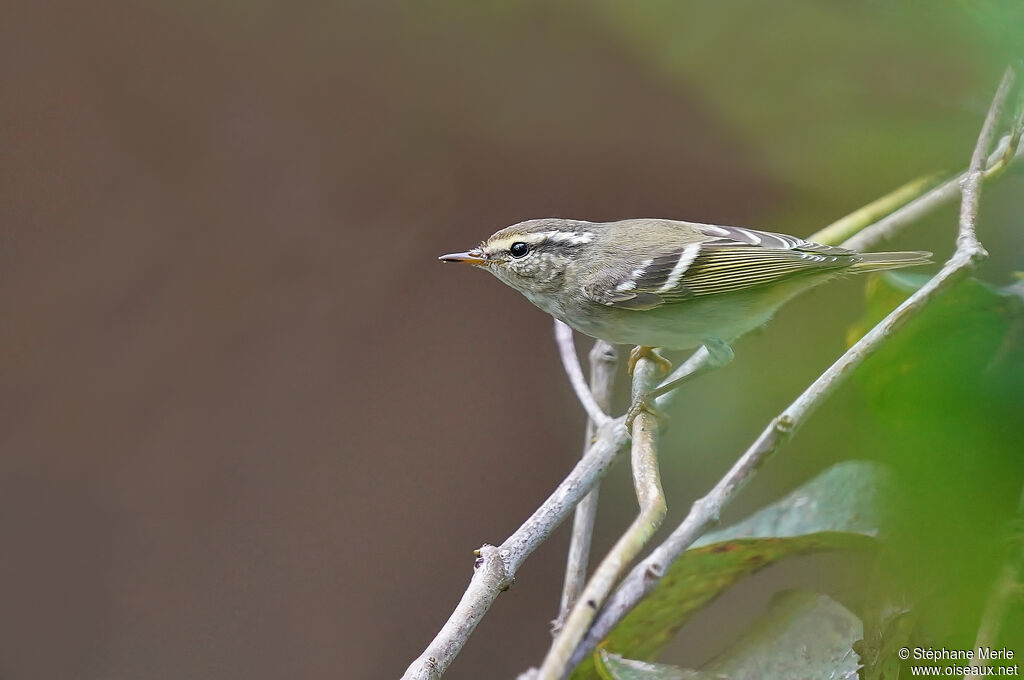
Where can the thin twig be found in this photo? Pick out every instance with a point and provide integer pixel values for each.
(848, 226)
(604, 359)
(887, 227)
(705, 511)
(571, 363)
(496, 567)
(647, 482)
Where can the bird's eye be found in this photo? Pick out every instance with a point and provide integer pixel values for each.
(519, 249)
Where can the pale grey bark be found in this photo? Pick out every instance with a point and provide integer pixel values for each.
(647, 483)
(604, 360)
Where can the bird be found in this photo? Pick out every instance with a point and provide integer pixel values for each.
(661, 283)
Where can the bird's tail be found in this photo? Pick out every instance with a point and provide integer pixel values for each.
(875, 262)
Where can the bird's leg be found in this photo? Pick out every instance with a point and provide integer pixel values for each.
(651, 353)
(645, 402)
(719, 353)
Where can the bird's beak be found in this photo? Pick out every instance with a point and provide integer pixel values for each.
(475, 256)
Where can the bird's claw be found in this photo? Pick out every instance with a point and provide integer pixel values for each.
(640, 352)
(644, 403)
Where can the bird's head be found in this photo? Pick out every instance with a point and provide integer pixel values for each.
(531, 256)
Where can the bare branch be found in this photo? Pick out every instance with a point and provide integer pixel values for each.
(571, 363)
(850, 225)
(604, 359)
(647, 482)
(967, 239)
(496, 566)
(705, 511)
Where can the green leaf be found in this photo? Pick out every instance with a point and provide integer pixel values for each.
(845, 498)
(839, 509)
(801, 635)
(619, 668)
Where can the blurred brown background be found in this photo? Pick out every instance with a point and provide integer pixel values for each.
(252, 429)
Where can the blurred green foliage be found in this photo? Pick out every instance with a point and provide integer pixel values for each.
(825, 111)
(947, 394)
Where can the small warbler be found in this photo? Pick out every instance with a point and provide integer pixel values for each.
(664, 283)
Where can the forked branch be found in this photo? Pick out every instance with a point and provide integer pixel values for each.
(604, 359)
(705, 511)
(647, 482)
(495, 567)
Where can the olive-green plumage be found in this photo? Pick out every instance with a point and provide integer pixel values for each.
(664, 283)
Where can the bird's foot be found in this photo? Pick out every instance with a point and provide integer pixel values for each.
(644, 403)
(640, 352)
(719, 351)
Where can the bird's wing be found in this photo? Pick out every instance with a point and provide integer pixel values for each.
(722, 260)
